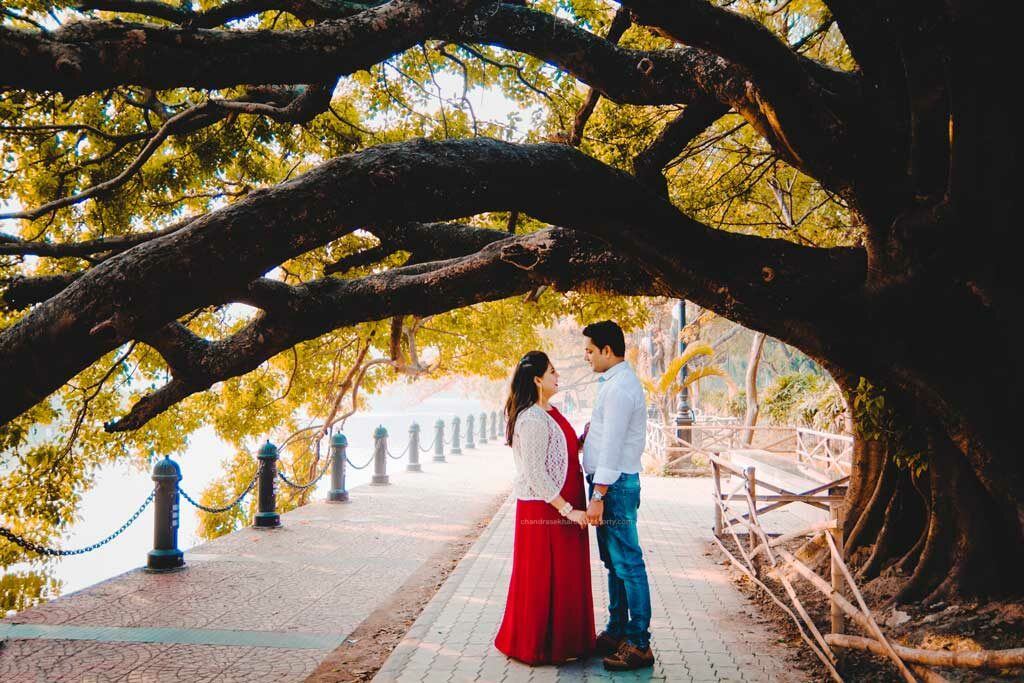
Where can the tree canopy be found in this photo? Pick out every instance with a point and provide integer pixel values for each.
(214, 207)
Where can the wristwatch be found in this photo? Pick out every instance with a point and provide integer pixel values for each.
(565, 509)
(597, 495)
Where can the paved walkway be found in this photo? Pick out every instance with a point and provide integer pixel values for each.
(702, 627)
(258, 606)
(271, 605)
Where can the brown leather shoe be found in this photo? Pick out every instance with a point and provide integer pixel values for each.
(629, 657)
(607, 644)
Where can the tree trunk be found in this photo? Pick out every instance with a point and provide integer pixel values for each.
(943, 530)
(750, 419)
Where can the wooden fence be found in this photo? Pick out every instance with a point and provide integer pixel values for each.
(689, 447)
(830, 453)
(765, 552)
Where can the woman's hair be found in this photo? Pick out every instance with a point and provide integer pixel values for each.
(523, 392)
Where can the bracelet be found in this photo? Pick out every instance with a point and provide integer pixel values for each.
(565, 509)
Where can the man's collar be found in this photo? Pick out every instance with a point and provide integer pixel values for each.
(614, 370)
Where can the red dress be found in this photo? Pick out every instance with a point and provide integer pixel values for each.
(549, 614)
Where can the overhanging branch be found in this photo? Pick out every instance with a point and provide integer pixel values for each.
(296, 106)
(560, 257)
(215, 257)
(232, 10)
(673, 139)
(88, 56)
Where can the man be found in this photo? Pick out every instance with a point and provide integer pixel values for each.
(612, 445)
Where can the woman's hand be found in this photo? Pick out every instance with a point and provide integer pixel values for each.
(579, 517)
(583, 436)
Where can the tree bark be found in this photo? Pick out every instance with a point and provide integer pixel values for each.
(750, 419)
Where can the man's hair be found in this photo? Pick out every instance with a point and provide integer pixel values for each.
(607, 333)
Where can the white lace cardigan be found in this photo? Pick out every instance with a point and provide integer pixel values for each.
(541, 456)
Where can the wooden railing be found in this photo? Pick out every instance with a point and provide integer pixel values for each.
(676, 446)
(830, 453)
(763, 552)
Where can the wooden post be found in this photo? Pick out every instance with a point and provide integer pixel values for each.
(717, 472)
(838, 625)
(748, 474)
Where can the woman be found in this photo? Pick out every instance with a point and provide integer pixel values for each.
(549, 614)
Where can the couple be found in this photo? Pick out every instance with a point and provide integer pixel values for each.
(549, 615)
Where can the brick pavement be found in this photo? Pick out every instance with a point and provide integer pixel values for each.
(702, 627)
(264, 605)
(270, 605)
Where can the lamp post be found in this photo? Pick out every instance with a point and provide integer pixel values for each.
(652, 407)
(684, 413)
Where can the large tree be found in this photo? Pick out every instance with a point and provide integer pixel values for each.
(144, 202)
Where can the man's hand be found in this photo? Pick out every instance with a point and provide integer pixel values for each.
(595, 512)
(578, 517)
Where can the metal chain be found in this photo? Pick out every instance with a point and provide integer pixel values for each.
(43, 550)
(359, 467)
(400, 455)
(431, 446)
(303, 487)
(230, 505)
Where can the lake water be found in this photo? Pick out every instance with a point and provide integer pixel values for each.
(121, 488)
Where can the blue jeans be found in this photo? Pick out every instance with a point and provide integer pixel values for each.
(629, 595)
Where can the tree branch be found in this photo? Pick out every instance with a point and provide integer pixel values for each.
(232, 10)
(22, 292)
(213, 259)
(510, 266)
(88, 56)
(776, 68)
(867, 31)
(305, 104)
(673, 139)
(9, 244)
(620, 22)
(425, 241)
(622, 75)
(360, 259)
(797, 109)
(795, 112)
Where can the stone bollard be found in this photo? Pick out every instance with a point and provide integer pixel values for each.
(494, 426)
(439, 441)
(165, 556)
(501, 426)
(414, 449)
(339, 448)
(456, 437)
(483, 428)
(266, 516)
(469, 432)
(380, 456)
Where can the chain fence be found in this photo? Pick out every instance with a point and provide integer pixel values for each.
(400, 455)
(310, 484)
(236, 501)
(40, 549)
(358, 467)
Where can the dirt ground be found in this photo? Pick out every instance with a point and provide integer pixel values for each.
(369, 645)
(955, 627)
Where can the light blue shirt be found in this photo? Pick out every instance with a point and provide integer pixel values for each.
(618, 426)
